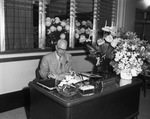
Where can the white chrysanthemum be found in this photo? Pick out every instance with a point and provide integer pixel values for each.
(83, 22)
(57, 20)
(67, 27)
(82, 30)
(53, 28)
(47, 23)
(76, 35)
(77, 31)
(59, 28)
(78, 24)
(62, 36)
(48, 19)
(87, 31)
(63, 23)
(82, 39)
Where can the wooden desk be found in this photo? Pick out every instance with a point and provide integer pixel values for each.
(119, 103)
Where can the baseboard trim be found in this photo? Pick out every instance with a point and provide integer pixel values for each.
(14, 100)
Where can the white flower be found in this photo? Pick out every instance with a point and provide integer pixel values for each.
(115, 42)
(82, 39)
(67, 27)
(98, 61)
(52, 28)
(57, 20)
(142, 48)
(88, 40)
(48, 19)
(106, 28)
(78, 24)
(118, 56)
(87, 31)
(83, 22)
(109, 38)
(128, 53)
(63, 23)
(100, 41)
(47, 23)
(82, 30)
(76, 35)
(113, 31)
(59, 28)
(133, 47)
(62, 36)
(77, 31)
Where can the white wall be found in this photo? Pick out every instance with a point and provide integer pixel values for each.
(16, 75)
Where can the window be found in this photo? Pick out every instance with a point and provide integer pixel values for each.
(19, 24)
(22, 20)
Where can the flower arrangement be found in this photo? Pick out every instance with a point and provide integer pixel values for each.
(83, 31)
(126, 52)
(130, 55)
(59, 29)
(103, 48)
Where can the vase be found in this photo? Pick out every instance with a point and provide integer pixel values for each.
(104, 68)
(126, 78)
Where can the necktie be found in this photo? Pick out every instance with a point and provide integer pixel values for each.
(60, 64)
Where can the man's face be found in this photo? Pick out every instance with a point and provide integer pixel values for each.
(61, 50)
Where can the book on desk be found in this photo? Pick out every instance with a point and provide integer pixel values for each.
(47, 84)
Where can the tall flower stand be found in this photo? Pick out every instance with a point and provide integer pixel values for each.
(125, 78)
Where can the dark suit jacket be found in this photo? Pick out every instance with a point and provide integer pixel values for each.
(51, 65)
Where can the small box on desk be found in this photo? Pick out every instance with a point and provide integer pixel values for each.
(86, 90)
(108, 84)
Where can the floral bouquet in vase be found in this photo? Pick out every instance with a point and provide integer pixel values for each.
(130, 55)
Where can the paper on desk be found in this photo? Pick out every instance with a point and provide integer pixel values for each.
(89, 74)
(85, 78)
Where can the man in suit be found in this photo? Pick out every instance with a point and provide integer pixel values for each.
(57, 62)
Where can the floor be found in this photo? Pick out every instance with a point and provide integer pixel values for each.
(145, 106)
(20, 113)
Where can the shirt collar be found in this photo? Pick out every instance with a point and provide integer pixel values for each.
(57, 56)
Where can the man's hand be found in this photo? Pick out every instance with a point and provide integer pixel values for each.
(51, 75)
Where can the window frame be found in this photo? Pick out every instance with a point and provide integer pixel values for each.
(40, 49)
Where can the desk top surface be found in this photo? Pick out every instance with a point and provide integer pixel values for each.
(78, 98)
